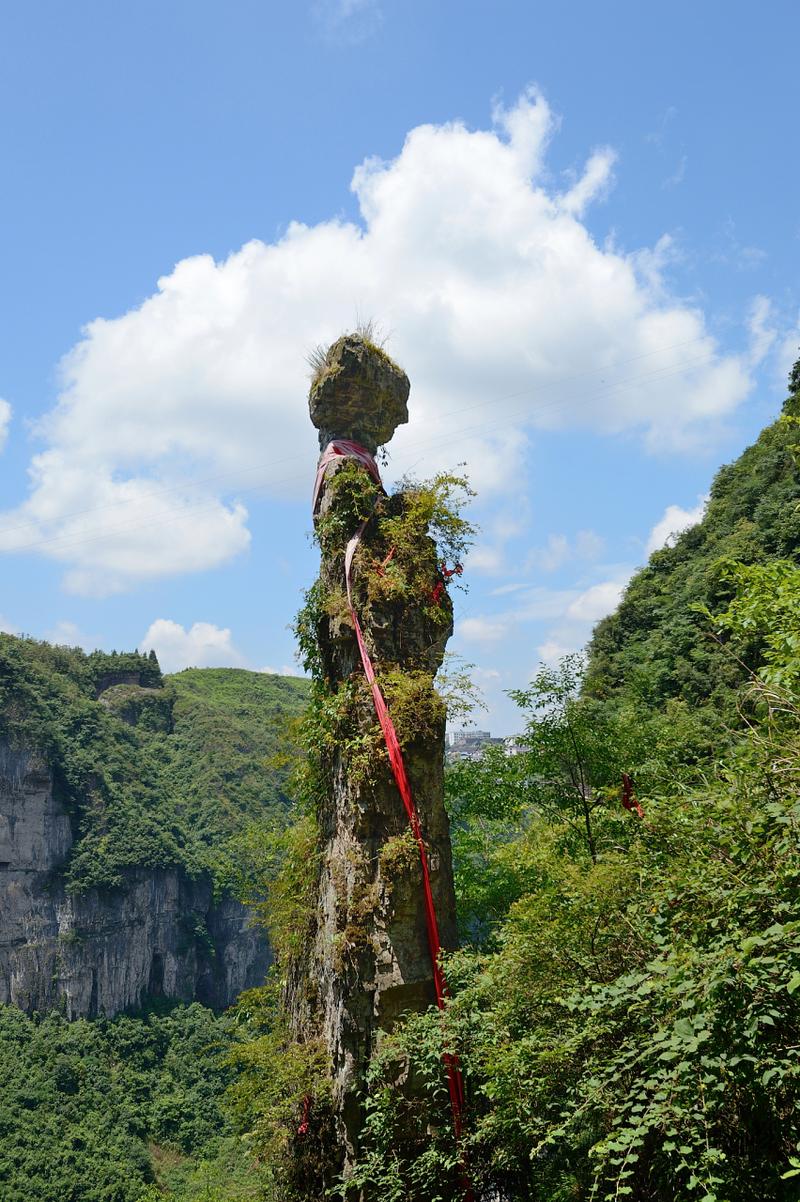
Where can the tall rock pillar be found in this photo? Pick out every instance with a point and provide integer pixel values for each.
(369, 959)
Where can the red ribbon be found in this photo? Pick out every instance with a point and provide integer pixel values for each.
(342, 448)
(629, 798)
(455, 1079)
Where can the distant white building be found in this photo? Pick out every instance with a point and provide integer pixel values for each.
(460, 738)
(469, 744)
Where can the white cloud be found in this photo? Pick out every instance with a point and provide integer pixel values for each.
(486, 558)
(594, 182)
(348, 20)
(597, 601)
(504, 311)
(482, 630)
(674, 521)
(787, 354)
(5, 421)
(761, 329)
(67, 634)
(490, 556)
(551, 651)
(202, 646)
(561, 550)
(543, 603)
(678, 174)
(553, 556)
(7, 627)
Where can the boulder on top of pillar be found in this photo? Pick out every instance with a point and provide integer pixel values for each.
(357, 392)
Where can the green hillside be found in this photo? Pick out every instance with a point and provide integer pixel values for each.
(657, 644)
(155, 773)
(99, 1111)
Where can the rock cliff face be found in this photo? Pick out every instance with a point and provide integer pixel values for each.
(103, 951)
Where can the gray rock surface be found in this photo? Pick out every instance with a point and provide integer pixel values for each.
(103, 951)
(360, 394)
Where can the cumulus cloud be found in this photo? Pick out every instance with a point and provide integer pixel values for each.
(674, 521)
(203, 645)
(761, 329)
(482, 630)
(595, 602)
(504, 310)
(5, 421)
(560, 550)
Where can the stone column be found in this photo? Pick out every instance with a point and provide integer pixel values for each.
(369, 959)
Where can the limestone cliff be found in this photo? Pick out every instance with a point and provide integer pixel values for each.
(122, 796)
(158, 934)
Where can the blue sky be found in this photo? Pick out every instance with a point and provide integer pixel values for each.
(578, 225)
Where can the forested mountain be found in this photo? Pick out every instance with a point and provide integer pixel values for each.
(154, 772)
(658, 644)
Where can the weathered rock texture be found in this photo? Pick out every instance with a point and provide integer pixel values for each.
(369, 960)
(359, 394)
(104, 951)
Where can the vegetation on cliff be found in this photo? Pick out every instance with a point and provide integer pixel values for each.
(155, 772)
(658, 644)
(128, 1110)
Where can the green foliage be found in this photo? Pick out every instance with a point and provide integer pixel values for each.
(431, 508)
(154, 775)
(352, 496)
(658, 645)
(430, 1167)
(119, 1111)
(277, 1081)
(765, 612)
(277, 869)
(630, 1028)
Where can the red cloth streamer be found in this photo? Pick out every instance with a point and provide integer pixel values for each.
(629, 798)
(343, 448)
(454, 1077)
(381, 568)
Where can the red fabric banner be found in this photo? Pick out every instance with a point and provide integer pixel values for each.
(335, 449)
(454, 1077)
(342, 448)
